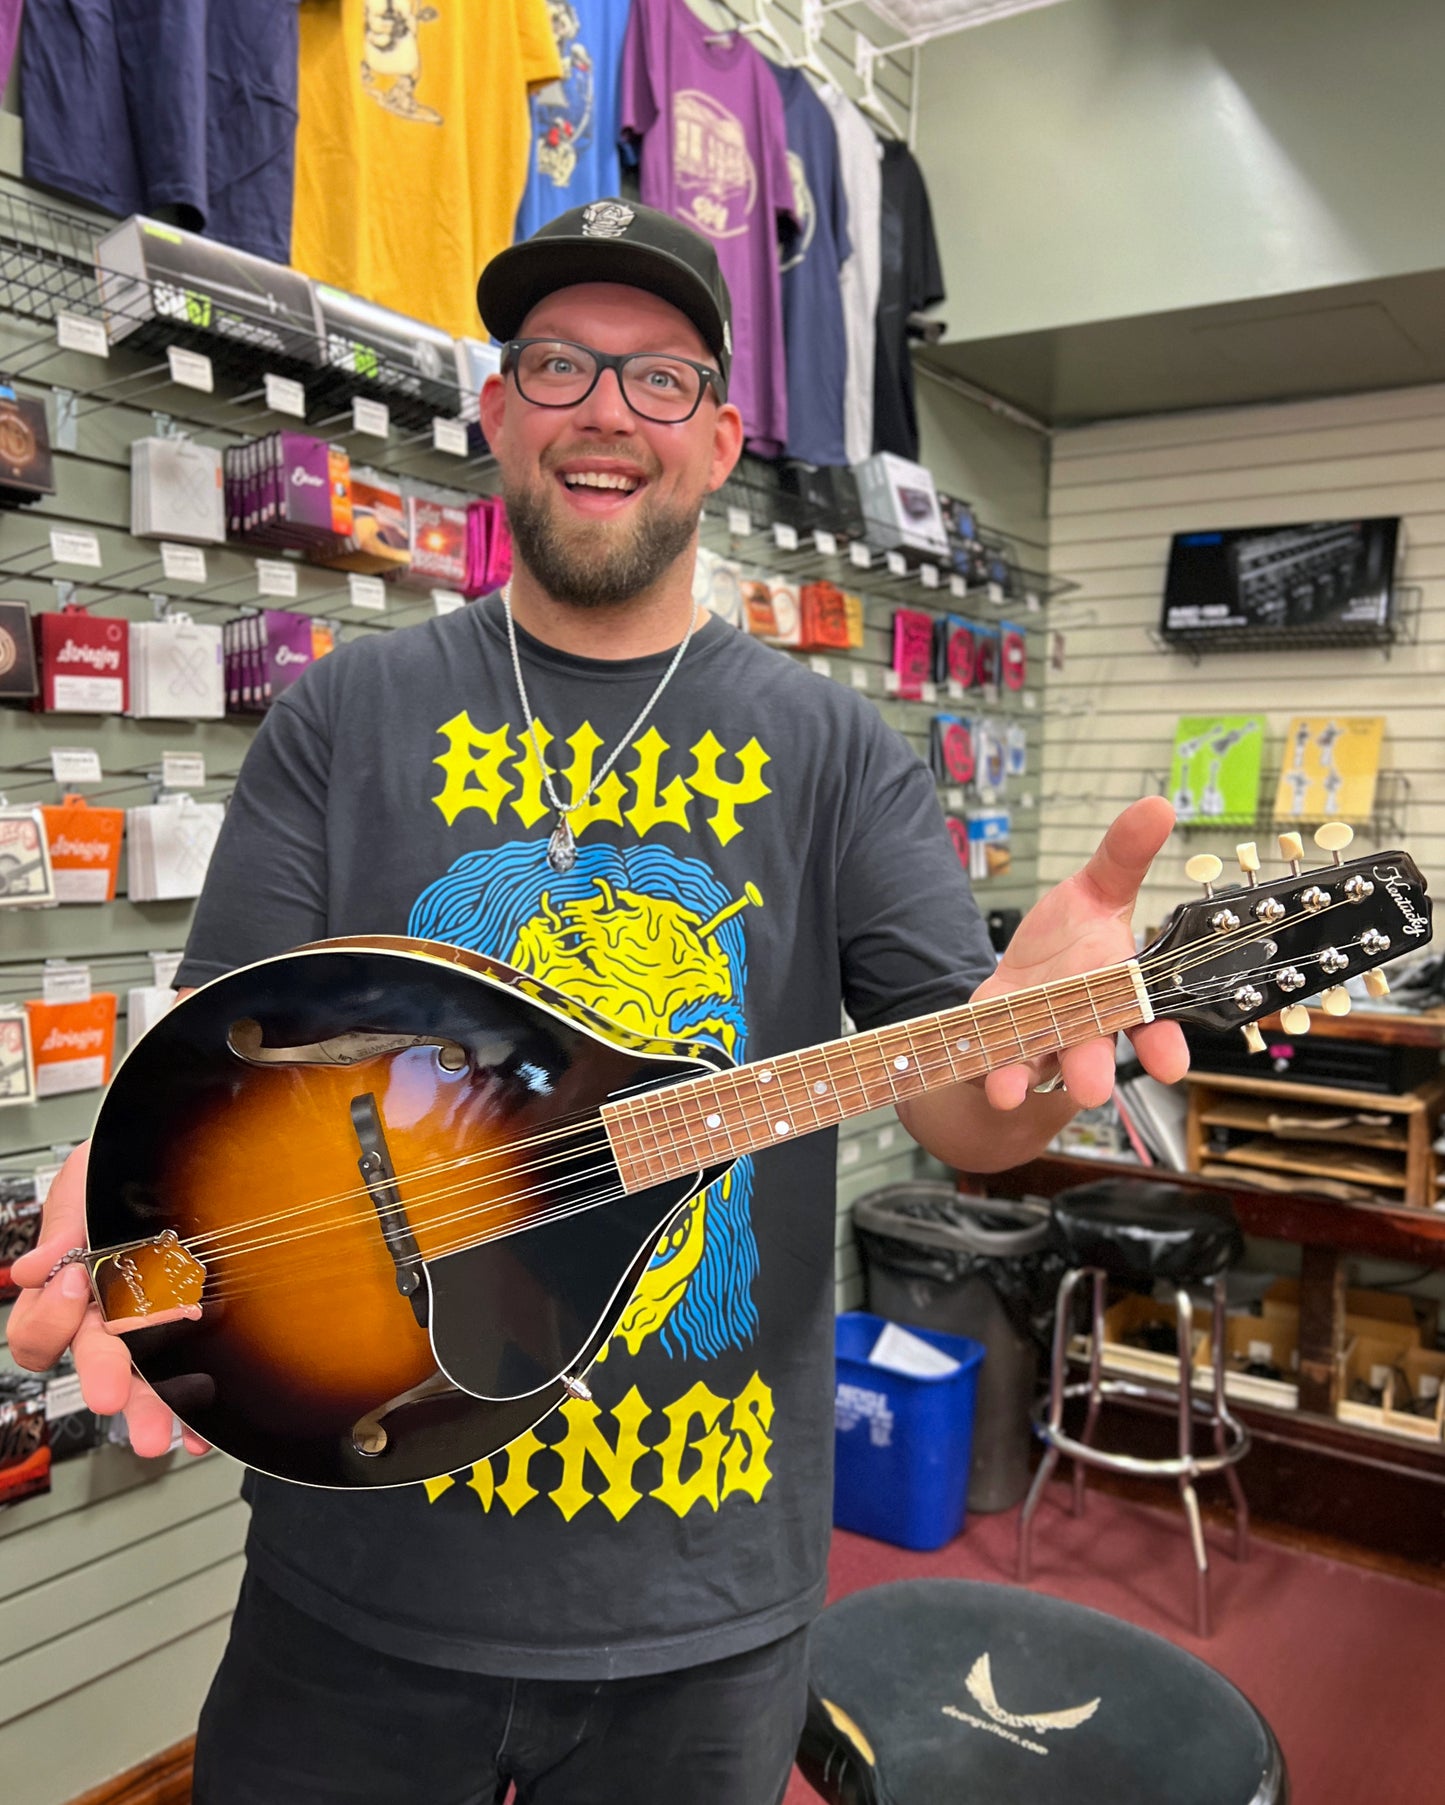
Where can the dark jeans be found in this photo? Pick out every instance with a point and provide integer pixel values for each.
(299, 1713)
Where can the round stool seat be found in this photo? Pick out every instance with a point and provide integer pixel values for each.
(948, 1692)
(1140, 1231)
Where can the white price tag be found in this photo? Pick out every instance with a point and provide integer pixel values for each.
(367, 592)
(850, 1154)
(1031, 701)
(739, 523)
(929, 692)
(183, 770)
(785, 537)
(954, 799)
(62, 1397)
(897, 564)
(183, 563)
(45, 1176)
(825, 544)
(449, 436)
(1027, 799)
(928, 575)
(65, 983)
(957, 587)
(821, 665)
(447, 601)
(860, 555)
(75, 764)
(75, 548)
(164, 967)
(1031, 601)
(890, 683)
(886, 1138)
(283, 396)
(858, 677)
(274, 576)
(74, 333)
(955, 690)
(191, 369)
(995, 592)
(371, 417)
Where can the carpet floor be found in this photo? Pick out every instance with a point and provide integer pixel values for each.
(1344, 1663)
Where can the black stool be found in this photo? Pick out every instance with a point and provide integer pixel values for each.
(1139, 1233)
(947, 1692)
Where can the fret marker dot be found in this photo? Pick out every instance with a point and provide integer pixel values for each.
(963, 1045)
(714, 1121)
(901, 1063)
(765, 1077)
(820, 1087)
(780, 1127)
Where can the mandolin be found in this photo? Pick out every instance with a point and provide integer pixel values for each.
(368, 1211)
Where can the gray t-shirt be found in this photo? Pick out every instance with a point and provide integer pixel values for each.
(765, 851)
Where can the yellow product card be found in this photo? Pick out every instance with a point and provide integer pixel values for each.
(1330, 766)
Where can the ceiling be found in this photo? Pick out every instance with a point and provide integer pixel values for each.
(1366, 335)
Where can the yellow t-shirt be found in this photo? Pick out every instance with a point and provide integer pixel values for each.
(412, 144)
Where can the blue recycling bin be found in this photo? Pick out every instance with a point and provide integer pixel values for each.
(903, 1444)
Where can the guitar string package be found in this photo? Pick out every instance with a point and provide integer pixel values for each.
(953, 651)
(84, 844)
(177, 670)
(912, 652)
(17, 1085)
(437, 534)
(177, 491)
(288, 491)
(266, 652)
(717, 585)
(24, 1438)
(74, 1043)
(19, 673)
(27, 466)
(27, 880)
(84, 663)
(379, 542)
(168, 848)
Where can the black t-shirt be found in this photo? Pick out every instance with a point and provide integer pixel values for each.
(765, 851)
(912, 279)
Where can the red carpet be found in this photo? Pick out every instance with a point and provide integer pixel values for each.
(1343, 1663)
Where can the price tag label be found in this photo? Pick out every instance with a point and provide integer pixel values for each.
(164, 967)
(739, 523)
(45, 1176)
(955, 690)
(957, 587)
(62, 1397)
(367, 592)
(954, 798)
(371, 417)
(183, 770)
(449, 436)
(785, 537)
(929, 692)
(821, 665)
(75, 548)
(191, 369)
(274, 576)
(65, 983)
(183, 563)
(860, 555)
(897, 564)
(1027, 799)
(825, 544)
(75, 764)
(850, 1154)
(886, 1138)
(447, 601)
(74, 333)
(928, 575)
(1031, 601)
(995, 592)
(283, 396)
(890, 683)
(858, 677)
(1031, 701)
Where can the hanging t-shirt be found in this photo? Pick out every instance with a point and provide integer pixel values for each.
(574, 154)
(183, 111)
(412, 145)
(814, 338)
(709, 119)
(912, 279)
(860, 156)
(765, 850)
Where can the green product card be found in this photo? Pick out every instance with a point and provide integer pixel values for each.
(1215, 771)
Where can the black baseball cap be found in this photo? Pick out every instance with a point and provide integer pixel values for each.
(611, 241)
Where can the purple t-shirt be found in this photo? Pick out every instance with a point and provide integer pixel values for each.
(709, 120)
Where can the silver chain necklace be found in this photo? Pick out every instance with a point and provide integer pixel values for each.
(561, 843)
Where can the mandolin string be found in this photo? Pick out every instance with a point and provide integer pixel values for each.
(1003, 1007)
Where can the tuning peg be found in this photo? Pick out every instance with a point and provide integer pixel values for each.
(1292, 850)
(1335, 1000)
(1248, 856)
(1333, 837)
(1253, 1039)
(1377, 984)
(1295, 1019)
(1203, 868)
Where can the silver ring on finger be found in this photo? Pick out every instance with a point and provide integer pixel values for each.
(70, 1258)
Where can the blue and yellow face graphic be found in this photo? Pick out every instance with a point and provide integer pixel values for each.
(654, 942)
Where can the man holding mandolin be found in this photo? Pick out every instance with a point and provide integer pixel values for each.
(695, 850)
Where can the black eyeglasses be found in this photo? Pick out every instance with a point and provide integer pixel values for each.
(552, 372)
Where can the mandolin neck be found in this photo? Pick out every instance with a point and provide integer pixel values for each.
(701, 1122)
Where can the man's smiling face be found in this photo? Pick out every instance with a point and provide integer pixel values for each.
(601, 501)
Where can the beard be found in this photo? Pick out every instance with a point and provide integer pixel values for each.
(598, 568)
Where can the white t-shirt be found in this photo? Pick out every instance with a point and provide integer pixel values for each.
(859, 152)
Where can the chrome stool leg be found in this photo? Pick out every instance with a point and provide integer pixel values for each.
(1185, 1315)
(1223, 1423)
(1058, 1373)
(1096, 1356)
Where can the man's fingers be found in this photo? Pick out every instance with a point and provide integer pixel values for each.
(1162, 1049)
(1127, 850)
(1007, 1087)
(34, 1267)
(1089, 1072)
(102, 1362)
(193, 1443)
(44, 1322)
(150, 1422)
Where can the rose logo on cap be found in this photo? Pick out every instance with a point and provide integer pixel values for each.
(606, 219)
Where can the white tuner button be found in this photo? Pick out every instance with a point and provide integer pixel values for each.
(1203, 868)
(1335, 1000)
(1295, 1019)
(1334, 837)
(1253, 1039)
(1377, 984)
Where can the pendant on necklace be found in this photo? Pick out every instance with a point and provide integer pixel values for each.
(561, 847)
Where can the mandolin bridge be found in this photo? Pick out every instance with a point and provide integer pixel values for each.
(146, 1278)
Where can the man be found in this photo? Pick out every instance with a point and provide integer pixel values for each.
(589, 778)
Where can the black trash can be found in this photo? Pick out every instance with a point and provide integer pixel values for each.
(972, 1266)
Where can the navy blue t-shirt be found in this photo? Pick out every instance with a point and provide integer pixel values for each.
(575, 121)
(170, 108)
(813, 332)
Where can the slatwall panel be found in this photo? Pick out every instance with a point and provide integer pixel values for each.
(1118, 493)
